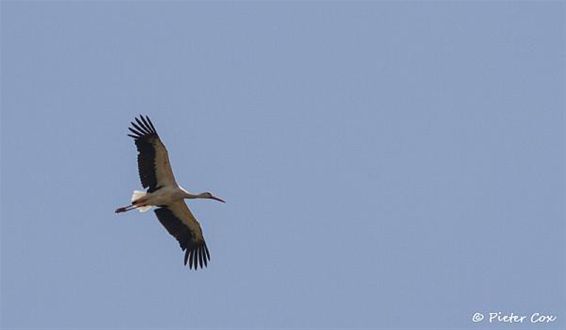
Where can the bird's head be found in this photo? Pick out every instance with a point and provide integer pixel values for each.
(208, 195)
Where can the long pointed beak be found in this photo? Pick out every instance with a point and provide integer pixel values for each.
(217, 199)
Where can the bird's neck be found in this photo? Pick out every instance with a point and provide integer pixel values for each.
(188, 195)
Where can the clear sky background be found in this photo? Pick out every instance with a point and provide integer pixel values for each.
(385, 165)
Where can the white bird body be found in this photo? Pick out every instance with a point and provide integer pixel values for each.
(162, 196)
(165, 194)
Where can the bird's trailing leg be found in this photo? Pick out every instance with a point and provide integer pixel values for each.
(125, 208)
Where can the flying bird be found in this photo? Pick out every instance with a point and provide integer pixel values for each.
(164, 193)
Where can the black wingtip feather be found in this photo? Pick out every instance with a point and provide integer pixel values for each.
(138, 134)
(207, 253)
(138, 121)
(146, 124)
(142, 127)
(142, 130)
(191, 259)
(142, 122)
(151, 124)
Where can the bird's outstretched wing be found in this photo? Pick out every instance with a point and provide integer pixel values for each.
(181, 224)
(153, 162)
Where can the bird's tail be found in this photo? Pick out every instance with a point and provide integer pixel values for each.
(137, 195)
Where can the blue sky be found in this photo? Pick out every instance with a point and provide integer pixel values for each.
(385, 165)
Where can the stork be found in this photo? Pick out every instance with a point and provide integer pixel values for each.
(164, 193)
